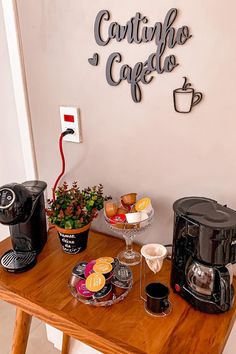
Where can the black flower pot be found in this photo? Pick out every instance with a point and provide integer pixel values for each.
(73, 241)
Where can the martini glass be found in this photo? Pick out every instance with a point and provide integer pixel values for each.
(129, 232)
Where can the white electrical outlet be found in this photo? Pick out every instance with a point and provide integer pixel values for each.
(70, 119)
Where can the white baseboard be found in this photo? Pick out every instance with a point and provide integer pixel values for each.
(76, 347)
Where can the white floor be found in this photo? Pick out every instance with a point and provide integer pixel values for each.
(39, 344)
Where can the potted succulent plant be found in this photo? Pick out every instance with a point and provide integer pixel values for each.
(72, 212)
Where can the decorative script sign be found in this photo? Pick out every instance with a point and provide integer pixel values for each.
(136, 30)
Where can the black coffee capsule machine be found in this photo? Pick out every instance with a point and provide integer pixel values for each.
(204, 249)
(22, 208)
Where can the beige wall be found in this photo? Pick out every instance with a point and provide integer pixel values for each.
(145, 147)
(11, 158)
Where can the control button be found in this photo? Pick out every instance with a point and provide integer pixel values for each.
(177, 288)
(7, 198)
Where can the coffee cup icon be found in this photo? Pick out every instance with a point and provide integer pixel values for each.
(185, 98)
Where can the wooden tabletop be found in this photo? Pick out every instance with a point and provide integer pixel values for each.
(122, 328)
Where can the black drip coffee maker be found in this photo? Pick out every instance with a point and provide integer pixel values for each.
(204, 248)
(22, 208)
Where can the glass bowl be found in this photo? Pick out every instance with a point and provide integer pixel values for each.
(129, 231)
(125, 286)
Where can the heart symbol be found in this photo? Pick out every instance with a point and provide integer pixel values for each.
(94, 60)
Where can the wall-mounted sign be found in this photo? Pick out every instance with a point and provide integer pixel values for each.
(137, 30)
(185, 98)
(94, 60)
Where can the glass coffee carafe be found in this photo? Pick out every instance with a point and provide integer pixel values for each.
(203, 279)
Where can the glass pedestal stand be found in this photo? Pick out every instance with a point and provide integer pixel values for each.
(129, 256)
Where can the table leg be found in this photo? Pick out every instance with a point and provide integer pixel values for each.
(21, 332)
(65, 344)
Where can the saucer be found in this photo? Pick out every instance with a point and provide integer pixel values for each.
(161, 314)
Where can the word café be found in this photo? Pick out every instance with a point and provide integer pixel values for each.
(136, 31)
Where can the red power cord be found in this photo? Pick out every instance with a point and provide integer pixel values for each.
(68, 131)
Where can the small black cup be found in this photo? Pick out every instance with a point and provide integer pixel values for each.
(157, 298)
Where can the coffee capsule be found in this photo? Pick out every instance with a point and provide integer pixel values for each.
(133, 217)
(103, 268)
(136, 217)
(115, 263)
(118, 287)
(89, 268)
(144, 204)
(74, 280)
(82, 290)
(126, 207)
(123, 273)
(118, 219)
(105, 259)
(122, 211)
(129, 199)
(133, 210)
(95, 282)
(105, 294)
(110, 209)
(108, 277)
(132, 226)
(79, 269)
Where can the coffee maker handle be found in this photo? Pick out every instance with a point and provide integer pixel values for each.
(225, 286)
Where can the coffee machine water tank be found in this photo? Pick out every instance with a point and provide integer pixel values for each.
(22, 208)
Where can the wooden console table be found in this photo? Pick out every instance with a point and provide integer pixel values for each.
(123, 328)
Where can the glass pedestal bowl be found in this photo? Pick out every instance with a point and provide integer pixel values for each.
(129, 231)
